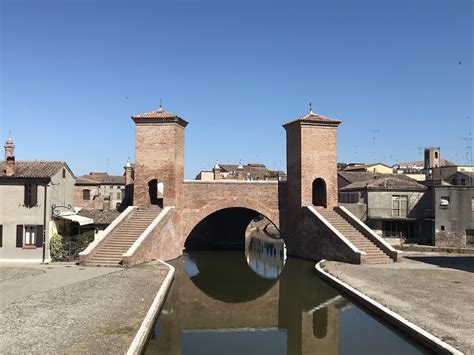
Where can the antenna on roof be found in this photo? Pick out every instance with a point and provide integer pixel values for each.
(373, 143)
(310, 108)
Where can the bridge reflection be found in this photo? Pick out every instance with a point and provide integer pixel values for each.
(223, 307)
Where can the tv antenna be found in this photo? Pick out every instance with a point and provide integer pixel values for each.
(374, 133)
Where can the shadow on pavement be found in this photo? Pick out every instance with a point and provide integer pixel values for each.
(463, 263)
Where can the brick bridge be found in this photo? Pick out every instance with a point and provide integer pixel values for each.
(167, 210)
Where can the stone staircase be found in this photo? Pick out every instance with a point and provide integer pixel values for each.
(375, 255)
(109, 252)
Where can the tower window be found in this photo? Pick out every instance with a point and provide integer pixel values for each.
(436, 155)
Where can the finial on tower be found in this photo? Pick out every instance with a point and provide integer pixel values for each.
(217, 165)
(160, 109)
(311, 109)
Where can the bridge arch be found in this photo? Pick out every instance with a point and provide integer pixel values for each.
(193, 217)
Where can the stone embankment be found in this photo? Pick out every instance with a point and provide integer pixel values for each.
(83, 310)
(433, 292)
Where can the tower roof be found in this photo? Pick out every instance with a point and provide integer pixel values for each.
(313, 118)
(159, 115)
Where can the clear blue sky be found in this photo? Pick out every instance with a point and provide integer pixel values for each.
(399, 74)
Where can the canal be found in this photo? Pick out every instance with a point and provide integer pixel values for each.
(261, 302)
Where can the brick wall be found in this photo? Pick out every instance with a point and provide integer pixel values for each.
(200, 199)
(159, 150)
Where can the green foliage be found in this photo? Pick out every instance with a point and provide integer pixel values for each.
(57, 249)
(62, 247)
(84, 239)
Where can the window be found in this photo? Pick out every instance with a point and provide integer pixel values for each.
(119, 195)
(442, 228)
(31, 195)
(436, 155)
(1, 235)
(399, 205)
(86, 195)
(444, 202)
(29, 236)
(399, 229)
(463, 181)
(64, 173)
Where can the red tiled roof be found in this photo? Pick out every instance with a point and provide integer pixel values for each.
(33, 169)
(397, 182)
(312, 117)
(101, 178)
(157, 114)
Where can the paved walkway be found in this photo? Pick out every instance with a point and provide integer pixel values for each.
(434, 292)
(68, 309)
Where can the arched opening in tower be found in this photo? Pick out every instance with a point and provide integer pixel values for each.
(319, 193)
(155, 195)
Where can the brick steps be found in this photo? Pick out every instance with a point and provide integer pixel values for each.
(109, 253)
(374, 255)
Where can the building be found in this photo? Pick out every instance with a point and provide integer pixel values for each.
(250, 171)
(32, 194)
(395, 206)
(420, 170)
(373, 168)
(445, 172)
(453, 210)
(95, 190)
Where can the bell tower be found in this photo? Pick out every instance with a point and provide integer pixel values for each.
(9, 157)
(159, 158)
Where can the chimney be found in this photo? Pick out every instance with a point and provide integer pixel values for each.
(9, 157)
(128, 173)
(217, 171)
(106, 205)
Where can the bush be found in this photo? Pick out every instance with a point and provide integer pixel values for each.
(57, 249)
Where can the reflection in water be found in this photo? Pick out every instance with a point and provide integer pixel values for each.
(223, 307)
(265, 254)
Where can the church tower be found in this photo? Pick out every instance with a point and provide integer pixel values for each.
(159, 158)
(9, 157)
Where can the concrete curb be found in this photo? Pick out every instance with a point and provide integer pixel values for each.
(427, 339)
(141, 338)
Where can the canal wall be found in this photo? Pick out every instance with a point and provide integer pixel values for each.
(427, 339)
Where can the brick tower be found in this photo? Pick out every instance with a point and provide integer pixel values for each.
(311, 163)
(159, 158)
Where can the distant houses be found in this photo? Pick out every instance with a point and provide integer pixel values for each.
(245, 172)
(426, 202)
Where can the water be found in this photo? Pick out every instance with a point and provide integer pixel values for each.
(230, 302)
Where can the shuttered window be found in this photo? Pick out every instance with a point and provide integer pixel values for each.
(39, 236)
(31, 194)
(19, 235)
(29, 235)
(86, 195)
